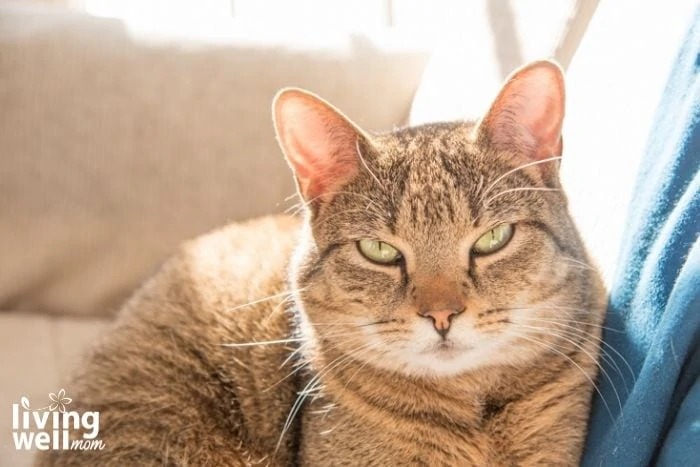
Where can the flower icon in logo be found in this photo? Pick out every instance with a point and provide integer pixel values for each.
(59, 401)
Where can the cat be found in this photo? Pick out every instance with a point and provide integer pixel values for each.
(434, 306)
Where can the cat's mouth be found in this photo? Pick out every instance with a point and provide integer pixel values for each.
(447, 348)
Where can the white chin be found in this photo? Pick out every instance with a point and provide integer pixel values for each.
(448, 359)
(464, 350)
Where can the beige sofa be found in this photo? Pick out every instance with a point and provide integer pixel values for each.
(117, 144)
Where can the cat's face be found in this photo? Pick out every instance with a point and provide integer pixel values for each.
(437, 249)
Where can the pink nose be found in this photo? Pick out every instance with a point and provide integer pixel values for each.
(442, 319)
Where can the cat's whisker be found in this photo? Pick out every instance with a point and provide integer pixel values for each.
(294, 209)
(573, 321)
(306, 342)
(303, 394)
(586, 323)
(602, 370)
(566, 320)
(340, 213)
(520, 167)
(364, 163)
(253, 344)
(583, 264)
(355, 325)
(583, 268)
(559, 335)
(548, 346)
(349, 357)
(562, 323)
(297, 208)
(333, 324)
(297, 367)
(334, 193)
(293, 195)
(376, 323)
(514, 190)
(285, 303)
(293, 206)
(286, 294)
(577, 332)
(363, 365)
(301, 397)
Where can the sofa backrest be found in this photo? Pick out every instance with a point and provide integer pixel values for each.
(115, 147)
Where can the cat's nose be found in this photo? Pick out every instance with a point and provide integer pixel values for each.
(442, 319)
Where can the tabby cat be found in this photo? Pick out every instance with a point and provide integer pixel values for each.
(435, 306)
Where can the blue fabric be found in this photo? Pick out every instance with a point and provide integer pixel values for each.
(654, 310)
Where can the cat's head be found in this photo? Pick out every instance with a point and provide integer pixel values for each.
(437, 249)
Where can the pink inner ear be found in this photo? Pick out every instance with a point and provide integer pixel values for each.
(319, 143)
(528, 114)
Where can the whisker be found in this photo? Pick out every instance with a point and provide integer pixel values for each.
(252, 344)
(337, 214)
(306, 342)
(599, 326)
(294, 209)
(286, 294)
(513, 190)
(293, 195)
(333, 324)
(547, 345)
(375, 323)
(600, 340)
(557, 307)
(575, 260)
(363, 365)
(297, 368)
(333, 193)
(582, 349)
(297, 208)
(312, 385)
(364, 163)
(521, 167)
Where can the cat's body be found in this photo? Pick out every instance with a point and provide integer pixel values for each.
(167, 389)
(439, 309)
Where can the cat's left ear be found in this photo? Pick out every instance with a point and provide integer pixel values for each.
(528, 113)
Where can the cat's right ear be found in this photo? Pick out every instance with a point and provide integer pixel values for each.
(318, 141)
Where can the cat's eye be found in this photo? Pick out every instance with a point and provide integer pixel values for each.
(379, 252)
(493, 240)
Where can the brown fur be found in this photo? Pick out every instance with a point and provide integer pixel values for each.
(378, 385)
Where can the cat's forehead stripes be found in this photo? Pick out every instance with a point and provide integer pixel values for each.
(435, 176)
(430, 186)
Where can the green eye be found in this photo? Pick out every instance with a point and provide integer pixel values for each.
(378, 252)
(493, 240)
